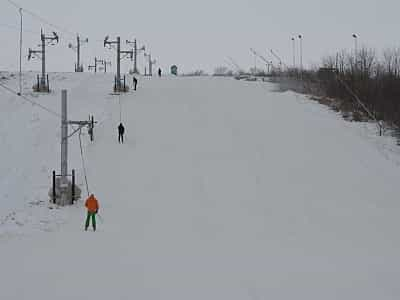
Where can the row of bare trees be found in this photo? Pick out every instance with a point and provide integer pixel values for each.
(366, 63)
(374, 78)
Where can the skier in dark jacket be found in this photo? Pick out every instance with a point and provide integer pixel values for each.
(121, 130)
(159, 72)
(134, 83)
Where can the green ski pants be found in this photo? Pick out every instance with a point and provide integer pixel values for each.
(93, 216)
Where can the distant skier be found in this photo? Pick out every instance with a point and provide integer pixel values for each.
(159, 72)
(90, 131)
(134, 83)
(121, 131)
(92, 206)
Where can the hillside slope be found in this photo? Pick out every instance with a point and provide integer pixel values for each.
(222, 190)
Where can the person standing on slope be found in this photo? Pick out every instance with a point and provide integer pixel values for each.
(159, 72)
(134, 82)
(121, 131)
(92, 206)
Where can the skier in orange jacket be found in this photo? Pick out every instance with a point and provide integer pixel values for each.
(92, 206)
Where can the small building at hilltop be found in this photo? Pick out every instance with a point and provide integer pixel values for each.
(174, 70)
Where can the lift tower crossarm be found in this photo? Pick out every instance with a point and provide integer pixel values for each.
(239, 69)
(268, 63)
(278, 58)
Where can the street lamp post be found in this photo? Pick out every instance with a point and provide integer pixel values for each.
(355, 49)
(301, 52)
(294, 52)
(20, 56)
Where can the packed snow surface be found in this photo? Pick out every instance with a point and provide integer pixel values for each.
(223, 190)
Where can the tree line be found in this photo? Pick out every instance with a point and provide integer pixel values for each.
(374, 78)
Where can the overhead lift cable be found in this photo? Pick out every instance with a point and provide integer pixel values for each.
(83, 162)
(30, 101)
(43, 20)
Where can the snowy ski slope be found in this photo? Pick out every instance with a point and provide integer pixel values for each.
(223, 190)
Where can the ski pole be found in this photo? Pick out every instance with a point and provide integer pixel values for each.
(100, 218)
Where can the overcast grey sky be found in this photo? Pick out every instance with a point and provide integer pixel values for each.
(200, 34)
